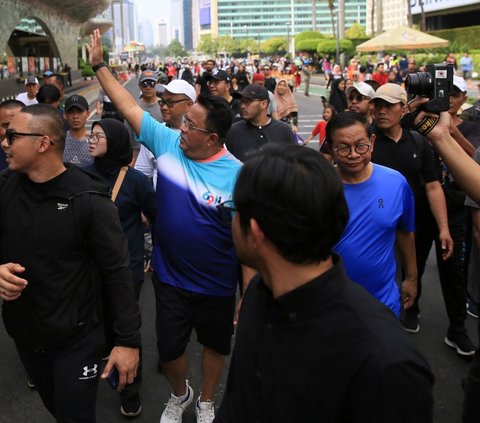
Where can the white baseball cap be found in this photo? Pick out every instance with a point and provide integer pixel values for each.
(460, 83)
(180, 86)
(362, 88)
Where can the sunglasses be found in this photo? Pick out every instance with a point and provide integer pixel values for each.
(358, 97)
(146, 84)
(10, 136)
(170, 103)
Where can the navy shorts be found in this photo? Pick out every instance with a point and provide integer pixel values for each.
(179, 311)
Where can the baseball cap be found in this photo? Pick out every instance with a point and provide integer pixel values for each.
(252, 92)
(219, 75)
(76, 101)
(392, 93)
(460, 83)
(31, 80)
(180, 86)
(47, 73)
(258, 77)
(362, 88)
(148, 75)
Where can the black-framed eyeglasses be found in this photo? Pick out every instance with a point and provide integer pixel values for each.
(94, 138)
(248, 101)
(10, 135)
(357, 97)
(148, 83)
(226, 211)
(170, 103)
(346, 151)
(189, 127)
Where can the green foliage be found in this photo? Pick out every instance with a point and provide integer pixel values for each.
(330, 47)
(175, 49)
(207, 45)
(308, 35)
(307, 45)
(275, 45)
(355, 31)
(461, 39)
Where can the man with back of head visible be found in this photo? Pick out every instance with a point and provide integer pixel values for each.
(358, 98)
(310, 344)
(257, 128)
(8, 109)
(195, 269)
(29, 97)
(57, 80)
(381, 213)
(56, 268)
(76, 145)
(409, 153)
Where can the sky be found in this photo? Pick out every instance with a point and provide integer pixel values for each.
(147, 9)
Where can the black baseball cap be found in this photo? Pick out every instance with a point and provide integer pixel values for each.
(252, 92)
(76, 101)
(218, 75)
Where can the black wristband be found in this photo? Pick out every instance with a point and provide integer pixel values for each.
(99, 66)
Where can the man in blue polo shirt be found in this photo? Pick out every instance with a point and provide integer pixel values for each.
(381, 209)
(193, 258)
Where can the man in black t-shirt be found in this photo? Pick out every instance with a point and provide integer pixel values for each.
(201, 86)
(219, 84)
(257, 129)
(412, 155)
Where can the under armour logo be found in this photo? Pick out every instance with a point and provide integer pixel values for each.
(93, 370)
(380, 203)
(62, 206)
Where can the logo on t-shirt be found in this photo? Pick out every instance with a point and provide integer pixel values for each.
(380, 203)
(211, 199)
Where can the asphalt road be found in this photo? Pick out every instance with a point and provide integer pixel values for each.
(19, 404)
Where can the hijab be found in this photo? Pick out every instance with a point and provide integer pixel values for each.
(286, 103)
(119, 151)
(338, 99)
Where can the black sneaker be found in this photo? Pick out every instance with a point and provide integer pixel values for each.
(472, 308)
(461, 342)
(410, 321)
(131, 407)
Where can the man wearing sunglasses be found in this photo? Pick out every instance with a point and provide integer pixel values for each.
(358, 97)
(194, 263)
(8, 109)
(148, 101)
(62, 249)
(381, 212)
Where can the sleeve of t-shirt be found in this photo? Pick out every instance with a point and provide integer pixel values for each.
(158, 138)
(468, 201)
(429, 169)
(317, 129)
(406, 222)
(145, 163)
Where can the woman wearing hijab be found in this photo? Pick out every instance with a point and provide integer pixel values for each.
(109, 146)
(338, 99)
(286, 104)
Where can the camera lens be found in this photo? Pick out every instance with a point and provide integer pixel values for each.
(418, 83)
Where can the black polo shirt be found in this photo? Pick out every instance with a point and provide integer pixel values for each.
(413, 158)
(244, 138)
(326, 352)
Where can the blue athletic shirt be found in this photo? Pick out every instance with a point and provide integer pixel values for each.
(193, 249)
(378, 207)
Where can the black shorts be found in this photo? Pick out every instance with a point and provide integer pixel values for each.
(179, 311)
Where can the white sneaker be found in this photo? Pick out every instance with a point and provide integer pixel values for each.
(204, 411)
(175, 407)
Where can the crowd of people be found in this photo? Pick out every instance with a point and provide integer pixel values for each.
(328, 259)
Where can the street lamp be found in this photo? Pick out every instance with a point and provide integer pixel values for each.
(337, 39)
(288, 36)
(246, 42)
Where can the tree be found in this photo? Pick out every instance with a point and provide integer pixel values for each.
(330, 47)
(355, 31)
(208, 45)
(175, 49)
(275, 45)
(308, 35)
(331, 6)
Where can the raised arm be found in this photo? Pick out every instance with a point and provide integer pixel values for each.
(120, 97)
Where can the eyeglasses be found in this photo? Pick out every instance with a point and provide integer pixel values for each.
(170, 103)
(346, 151)
(266, 69)
(189, 127)
(358, 97)
(94, 138)
(149, 83)
(10, 135)
(247, 101)
(226, 211)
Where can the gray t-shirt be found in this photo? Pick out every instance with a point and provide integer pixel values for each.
(76, 151)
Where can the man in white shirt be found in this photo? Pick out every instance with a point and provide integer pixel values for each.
(29, 97)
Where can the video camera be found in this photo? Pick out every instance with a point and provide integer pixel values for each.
(436, 84)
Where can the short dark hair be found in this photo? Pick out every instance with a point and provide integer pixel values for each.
(48, 121)
(11, 104)
(345, 120)
(296, 197)
(48, 94)
(373, 84)
(219, 116)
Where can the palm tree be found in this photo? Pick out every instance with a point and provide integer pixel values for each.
(331, 6)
